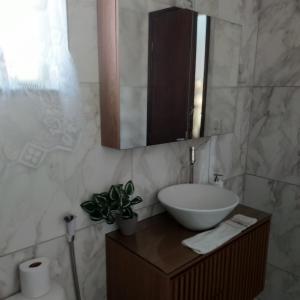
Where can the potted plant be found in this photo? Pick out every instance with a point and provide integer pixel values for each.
(115, 206)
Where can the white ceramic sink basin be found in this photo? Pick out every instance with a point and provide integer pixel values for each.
(198, 206)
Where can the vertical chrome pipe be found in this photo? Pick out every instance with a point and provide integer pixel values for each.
(192, 163)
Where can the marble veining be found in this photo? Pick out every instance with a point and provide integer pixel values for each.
(82, 26)
(278, 53)
(220, 111)
(229, 152)
(274, 142)
(283, 201)
(280, 285)
(224, 53)
(236, 184)
(275, 134)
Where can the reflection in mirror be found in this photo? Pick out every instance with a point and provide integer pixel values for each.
(202, 54)
(168, 74)
(177, 59)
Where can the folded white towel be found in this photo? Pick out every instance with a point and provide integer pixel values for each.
(208, 241)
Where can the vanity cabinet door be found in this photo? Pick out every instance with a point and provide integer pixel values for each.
(235, 272)
(206, 280)
(247, 271)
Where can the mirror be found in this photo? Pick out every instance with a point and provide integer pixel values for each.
(177, 73)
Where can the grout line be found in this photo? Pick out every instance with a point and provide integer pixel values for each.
(274, 86)
(63, 235)
(235, 176)
(271, 179)
(283, 270)
(256, 47)
(209, 159)
(47, 241)
(249, 129)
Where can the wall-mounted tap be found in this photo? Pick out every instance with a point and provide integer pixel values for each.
(192, 163)
(218, 179)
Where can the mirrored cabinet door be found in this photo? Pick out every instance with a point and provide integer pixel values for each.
(162, 72)
(171, 81)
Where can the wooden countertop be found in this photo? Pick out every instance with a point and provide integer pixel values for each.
(158, 240)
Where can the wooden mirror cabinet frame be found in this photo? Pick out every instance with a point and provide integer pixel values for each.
(108, 39)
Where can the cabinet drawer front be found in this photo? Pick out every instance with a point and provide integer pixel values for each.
(206, 280)
(235, 272)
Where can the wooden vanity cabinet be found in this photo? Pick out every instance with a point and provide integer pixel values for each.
(153, 264)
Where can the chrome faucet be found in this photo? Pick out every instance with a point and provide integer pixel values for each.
(192, 163)
(218, 180)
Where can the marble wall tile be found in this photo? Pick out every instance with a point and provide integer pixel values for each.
(151, 5)
(275, 134)
(280, 285)
(236, 185)
(257, 193)
(133, 113)
(231, 10)
(149, 211)
(201, 168)
(82, 23)
(9, 279)
(277, 61)
(156, 167)
(210, 8)
(133, 47)
(224, 53)
(220, 110)
(248, 54)
(34, 200)
(90, 257)
(249, 19)
(229, 152)
(185, 3)
(236, 11)
(283, 201)
(40, 192)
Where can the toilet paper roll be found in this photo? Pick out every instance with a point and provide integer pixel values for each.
(35, 277)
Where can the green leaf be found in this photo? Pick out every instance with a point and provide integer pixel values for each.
(127, 213)
(96, 216)
(118, 186)
(89, 206)
(101, 199)
(114, 193)
(129, 188)
(104, 195)
(124, 199)
(114, 205)
(136, 200)
(110, 219)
